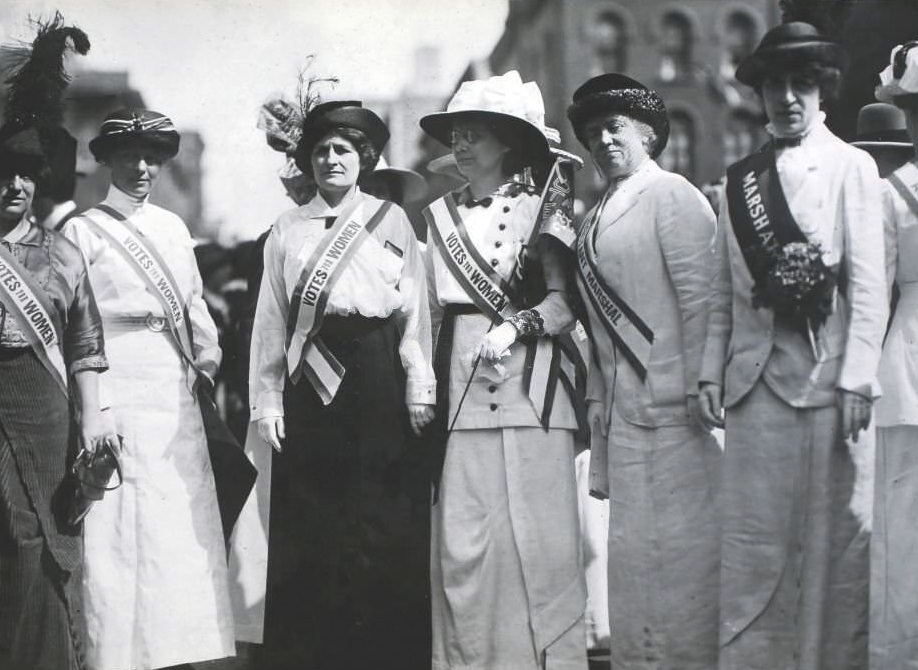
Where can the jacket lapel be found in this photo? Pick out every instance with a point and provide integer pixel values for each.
(627, 195)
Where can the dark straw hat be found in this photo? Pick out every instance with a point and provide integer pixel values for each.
(327, 116)
(881, 125)
(619, 94)
(788, 46)
(136, 127)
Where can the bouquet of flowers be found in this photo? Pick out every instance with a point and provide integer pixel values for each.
(797, 284)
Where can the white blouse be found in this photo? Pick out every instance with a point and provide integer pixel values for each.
(120, 291)
(385, 276)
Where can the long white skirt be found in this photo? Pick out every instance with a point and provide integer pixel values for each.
(155, 581)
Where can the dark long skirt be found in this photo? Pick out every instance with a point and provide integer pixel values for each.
(40, 574)
(348, 572)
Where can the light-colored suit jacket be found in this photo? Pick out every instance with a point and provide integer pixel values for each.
(833, 191)
(654, 246)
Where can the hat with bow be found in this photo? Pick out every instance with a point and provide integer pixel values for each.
(127, 128)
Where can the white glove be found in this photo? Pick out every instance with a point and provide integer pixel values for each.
(497, 341)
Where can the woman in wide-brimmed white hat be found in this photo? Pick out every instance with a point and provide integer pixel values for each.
(506, 573)
(893, 586)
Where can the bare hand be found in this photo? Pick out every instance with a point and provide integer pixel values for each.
(711, 405)
(495, 342)
(419, 415)
(855, 412)
(271, 430)
(97, 428)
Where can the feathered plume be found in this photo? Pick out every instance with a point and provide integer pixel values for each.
(36, 77)
(282, 119)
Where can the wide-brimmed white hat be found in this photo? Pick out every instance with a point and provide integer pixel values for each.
(504, 102)
(412, 185)
(900, 77)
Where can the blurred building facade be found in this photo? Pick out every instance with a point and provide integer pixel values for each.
(686, 50)
(91, 96)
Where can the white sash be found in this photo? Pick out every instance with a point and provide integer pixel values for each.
(143, 256)
(34, 313)
(306, 352)
(631, 336)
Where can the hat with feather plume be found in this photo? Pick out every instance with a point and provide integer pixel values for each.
(32, 138)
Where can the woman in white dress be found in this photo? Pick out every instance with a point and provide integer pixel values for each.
(155, 583)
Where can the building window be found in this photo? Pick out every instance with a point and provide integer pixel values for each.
(739, 40)
(743, 136)
(679, 155)
(610, 42)
(676, 46)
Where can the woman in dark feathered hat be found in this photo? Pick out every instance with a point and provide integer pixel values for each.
(340, 377)
(50, 345)
(644, 255)
(144, 608)
(797, 317)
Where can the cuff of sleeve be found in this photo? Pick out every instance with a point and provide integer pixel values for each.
(208, 367)
(96, 362)
(267, 404)
(421, 392)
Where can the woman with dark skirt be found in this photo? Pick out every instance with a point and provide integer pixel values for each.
(51, 352)
(340, 378)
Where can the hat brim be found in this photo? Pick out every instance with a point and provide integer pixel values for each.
(753, 69)
(164, 144)
(412, 185)
(520, 135)
(867, 144)
(358, 118)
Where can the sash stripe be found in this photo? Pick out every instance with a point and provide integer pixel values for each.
(153, 270)
(445, 236)
(761, 218)
(633, 338)
(479, 260)
(911, 199)
(306, 352)
(35, 314)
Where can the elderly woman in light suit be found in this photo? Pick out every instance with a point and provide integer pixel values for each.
(644, 258)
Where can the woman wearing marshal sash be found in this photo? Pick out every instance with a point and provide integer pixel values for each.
(155, 582)
(506, 573)
(893, 585)
(340, 378)
(51, 347)
(796, 323)
(645, 254)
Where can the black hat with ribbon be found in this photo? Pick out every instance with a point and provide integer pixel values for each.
(619, 94)
(788, 46)
(32, 139)
(328, 116)
(128, 128)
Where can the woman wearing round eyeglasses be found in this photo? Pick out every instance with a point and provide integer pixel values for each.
(506, 574)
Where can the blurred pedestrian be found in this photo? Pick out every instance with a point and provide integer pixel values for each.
(893, 586)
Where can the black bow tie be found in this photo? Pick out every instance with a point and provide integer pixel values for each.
(484, 202)
(785, 142)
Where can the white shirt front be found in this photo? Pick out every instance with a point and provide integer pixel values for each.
(385, 276)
